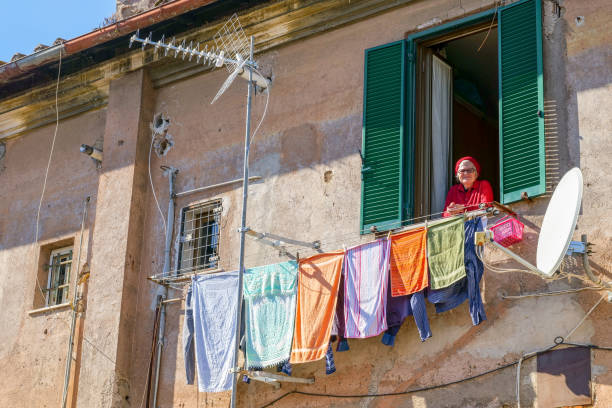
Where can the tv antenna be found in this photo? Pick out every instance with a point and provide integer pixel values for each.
(233, 50)
(555, 239)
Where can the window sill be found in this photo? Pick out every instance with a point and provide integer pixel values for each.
(49, 309)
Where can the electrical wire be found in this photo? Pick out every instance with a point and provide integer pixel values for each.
(264, 112)
(586, 315)
(42, 194)
(497, 4)
(558, 342)
(558, 292)
(161, 214)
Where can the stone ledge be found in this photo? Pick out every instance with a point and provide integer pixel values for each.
(46, 309)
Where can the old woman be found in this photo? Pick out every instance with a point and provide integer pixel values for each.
(470, 192)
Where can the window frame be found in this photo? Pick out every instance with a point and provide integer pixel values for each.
(59, 252)
(216, 209)
(459, 27)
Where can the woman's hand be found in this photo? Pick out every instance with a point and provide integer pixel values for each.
(455, 209)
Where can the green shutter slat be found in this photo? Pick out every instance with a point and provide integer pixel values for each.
(521, 128)
(383, 122)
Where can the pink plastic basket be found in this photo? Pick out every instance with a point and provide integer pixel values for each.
(508, 231)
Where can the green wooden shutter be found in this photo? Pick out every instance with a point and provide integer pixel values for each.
(521, 101)
(383, 131)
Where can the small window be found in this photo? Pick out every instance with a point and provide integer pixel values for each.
(58, 281)
(199, 239)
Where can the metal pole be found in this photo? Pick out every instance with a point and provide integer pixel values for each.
(226, 183)
(243, 229)
(162, 318)
(75, 301)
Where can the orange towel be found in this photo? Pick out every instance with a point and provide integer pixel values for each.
(318, 281)
(409, 262)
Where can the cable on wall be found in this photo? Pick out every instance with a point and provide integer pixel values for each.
(558, 342)
(161, 214)
(42, 194)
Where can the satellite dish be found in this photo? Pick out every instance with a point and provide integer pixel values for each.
(559, 222)
(557, 227)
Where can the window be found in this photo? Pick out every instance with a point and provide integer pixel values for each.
(199, 239)
(419, 96)
(58, 281)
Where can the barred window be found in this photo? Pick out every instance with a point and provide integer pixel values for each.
(58, 281)
(199, 239)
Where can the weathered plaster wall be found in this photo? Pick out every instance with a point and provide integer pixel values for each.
(33, 352)
(313, 127)
(111, 314)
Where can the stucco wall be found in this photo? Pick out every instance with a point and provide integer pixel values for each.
(307, 154)
(34, 347)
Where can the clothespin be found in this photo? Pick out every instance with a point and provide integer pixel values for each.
(389, 235)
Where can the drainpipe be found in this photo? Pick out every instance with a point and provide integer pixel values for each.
(171, 172)
(75, 302)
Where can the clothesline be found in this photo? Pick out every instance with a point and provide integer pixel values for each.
(181, 276)
(291, 320)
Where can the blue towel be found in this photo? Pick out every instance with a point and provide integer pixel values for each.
(215, 298)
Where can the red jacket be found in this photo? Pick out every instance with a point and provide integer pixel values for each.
(481, 192)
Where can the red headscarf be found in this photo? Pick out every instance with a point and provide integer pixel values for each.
(469, 158)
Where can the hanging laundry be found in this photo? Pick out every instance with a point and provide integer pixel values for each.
(319, 277)
(408, 262)
(467, 288)
(269, 302)
(330, 364)
(285, 368)
(449, 297)
(445, 249)
(366, 275)
(188, 346)
(215, 298)
(474, 269)
(339, 325)
(399, 308)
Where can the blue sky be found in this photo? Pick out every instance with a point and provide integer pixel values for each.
(26, 23)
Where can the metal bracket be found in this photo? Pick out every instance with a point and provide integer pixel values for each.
(272, 378)
(576, 247)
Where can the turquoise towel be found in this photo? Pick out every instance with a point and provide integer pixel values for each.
(269, 302)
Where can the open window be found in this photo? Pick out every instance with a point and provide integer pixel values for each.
(469, 87)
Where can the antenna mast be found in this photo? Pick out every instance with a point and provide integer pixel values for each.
(236, 53)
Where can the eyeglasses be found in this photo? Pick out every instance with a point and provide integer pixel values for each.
(466, 171)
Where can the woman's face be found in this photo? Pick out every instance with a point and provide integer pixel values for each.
(467, 174)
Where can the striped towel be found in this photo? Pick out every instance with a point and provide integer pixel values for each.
(408, 262)
(445, 250)
(366, 274)
(269, 311)
(318, 281)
